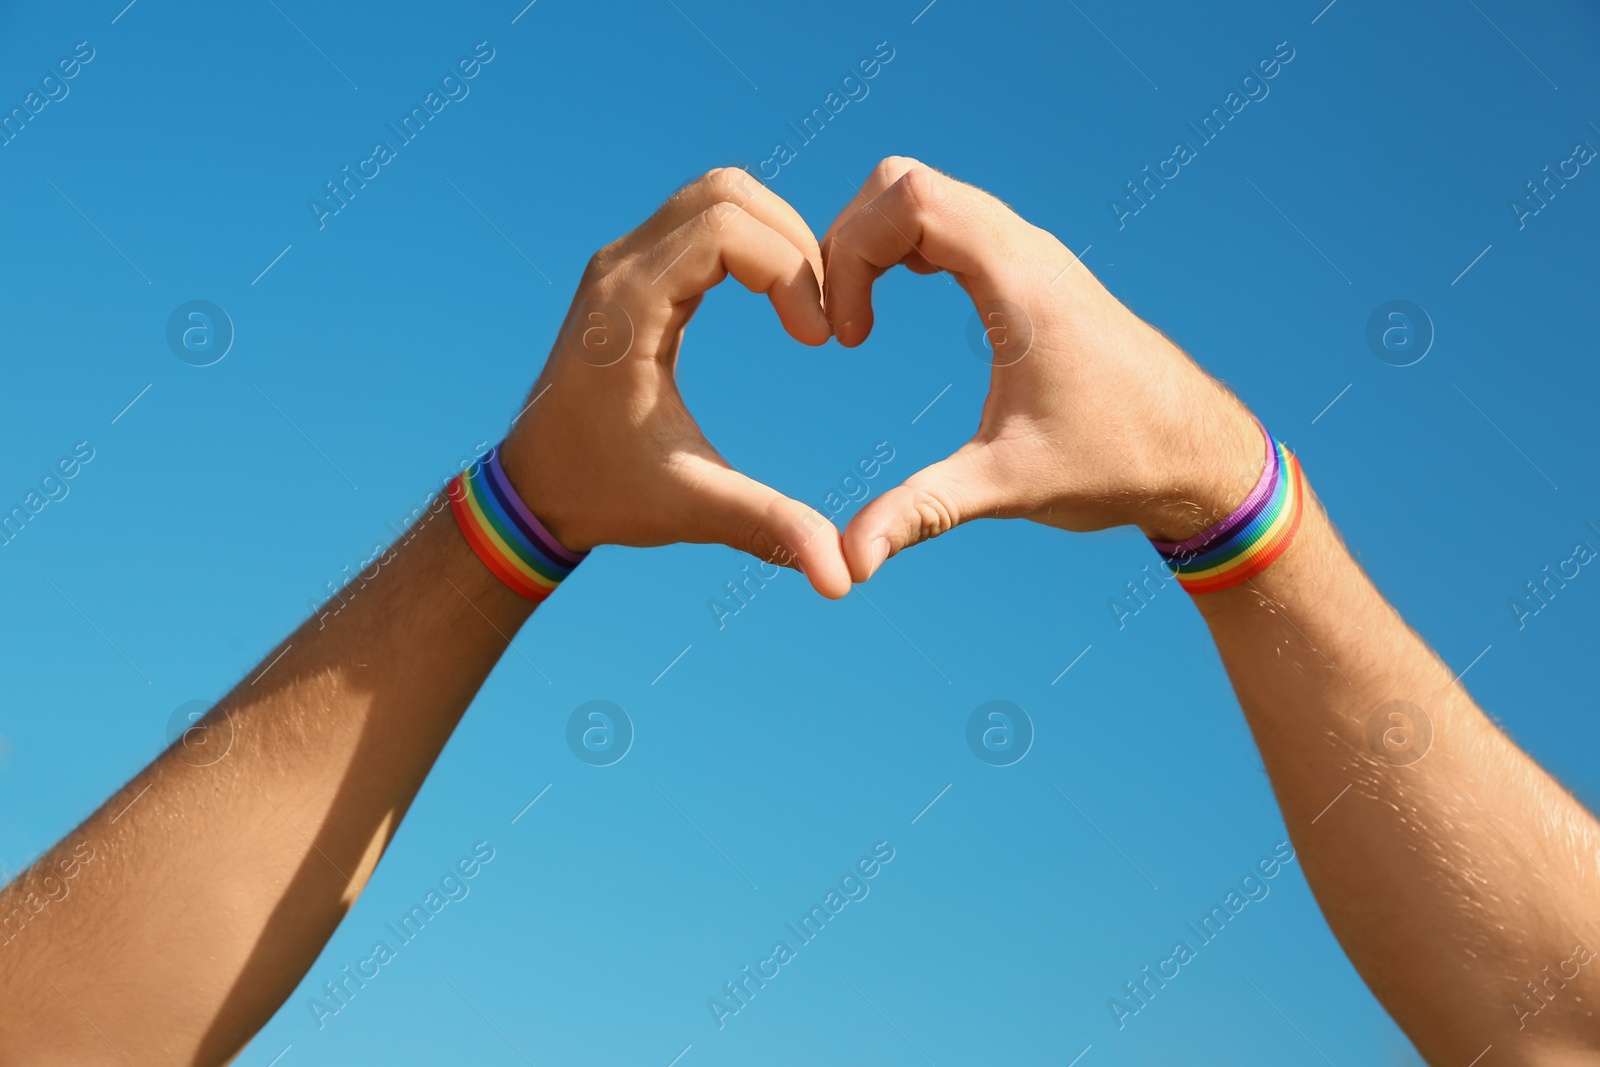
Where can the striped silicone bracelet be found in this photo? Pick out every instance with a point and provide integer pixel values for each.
(1247, 542)
(504, 534)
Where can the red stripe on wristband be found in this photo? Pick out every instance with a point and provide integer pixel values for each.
(505, 535)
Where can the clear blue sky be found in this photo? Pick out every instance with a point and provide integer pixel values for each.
(1378, 164)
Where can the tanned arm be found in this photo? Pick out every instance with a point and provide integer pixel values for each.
(171, 924)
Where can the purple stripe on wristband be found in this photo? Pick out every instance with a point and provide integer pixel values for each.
(1246, 513)
(529, 526)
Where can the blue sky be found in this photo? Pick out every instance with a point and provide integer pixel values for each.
(373, 351)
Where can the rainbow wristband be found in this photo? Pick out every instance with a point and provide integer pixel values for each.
(504, 533)
(1247, 542)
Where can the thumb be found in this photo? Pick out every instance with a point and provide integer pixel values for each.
(935, 500)
(752, 517)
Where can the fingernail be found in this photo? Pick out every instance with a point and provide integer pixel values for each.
(876, 554)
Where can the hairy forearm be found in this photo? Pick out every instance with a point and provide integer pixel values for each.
(215, 882)
(1452, 880)
(1451, 868)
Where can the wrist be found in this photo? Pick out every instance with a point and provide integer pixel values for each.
(1251, 537)
(485, 597)
(505, 534)
(1213, 468)
(542, 467)
(542, 496)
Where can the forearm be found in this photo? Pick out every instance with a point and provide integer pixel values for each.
(1453, 871)
(211, 889)
(214, 887)
(1454, 880)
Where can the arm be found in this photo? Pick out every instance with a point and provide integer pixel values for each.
(1452, 881)
(173, 922)
(210, 889)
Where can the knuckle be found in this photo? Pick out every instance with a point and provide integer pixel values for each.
(732, 184)
(714, 179)
(749, 536)
(760, 535)
(890, 168)
(933, 517)
(720, 216)
(601, 263)
(757, 541)
(615, 290)
(920, 190)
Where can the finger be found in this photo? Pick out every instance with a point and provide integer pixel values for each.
(950, 224)
(728, 185)
(740, 512)
(885, 174)
(935, 500)
(724, 240)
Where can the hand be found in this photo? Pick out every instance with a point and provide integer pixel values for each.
(606, 452)
(1094, 419)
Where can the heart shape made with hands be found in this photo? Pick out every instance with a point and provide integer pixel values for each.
(1087, 408)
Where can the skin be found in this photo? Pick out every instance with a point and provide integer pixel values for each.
(609, 412)
(172, 923)
(199, 896)
(1453, 880)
